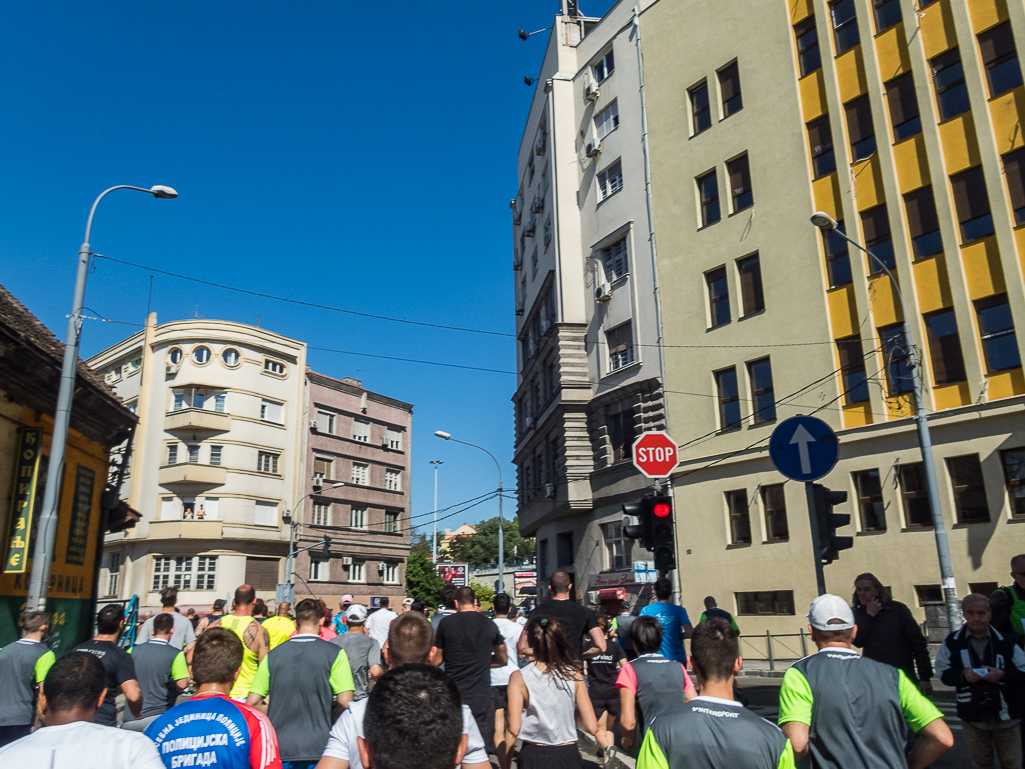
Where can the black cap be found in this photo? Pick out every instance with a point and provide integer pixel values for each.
(219, 604)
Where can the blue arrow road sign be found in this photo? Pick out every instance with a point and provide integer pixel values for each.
(804, 448)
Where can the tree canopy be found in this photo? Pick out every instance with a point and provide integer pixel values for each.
(422, 579)
(481, 547)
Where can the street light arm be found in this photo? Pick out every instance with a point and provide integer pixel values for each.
(857, 245)
(89, 221)
(493, 459)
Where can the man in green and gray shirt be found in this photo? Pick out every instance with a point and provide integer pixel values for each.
(23, 666)
(850, 712)
(161, 671)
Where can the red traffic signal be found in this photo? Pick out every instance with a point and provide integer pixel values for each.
(661, 509)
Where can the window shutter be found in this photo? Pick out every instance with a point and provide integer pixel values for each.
(859, 119)
(900, 95)
(970, 199)
(819, 136)
(620, 338)
(729, 81)
(995, 43)
(1014, 170)
(740, 175)
(262, 573)
(876, 225)
(921, 212)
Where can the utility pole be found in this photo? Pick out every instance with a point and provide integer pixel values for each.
(434, 538)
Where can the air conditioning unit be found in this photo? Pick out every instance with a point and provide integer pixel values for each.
(550, 490)
(313, 424)
(593, 148)
(318, 479)
(528, 422)
(346, 560)
(380, 567)
(591, 91)
(592, 596)
(539, 145)
(172, 368)
(603, 293)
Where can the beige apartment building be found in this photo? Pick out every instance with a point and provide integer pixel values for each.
(902, 120)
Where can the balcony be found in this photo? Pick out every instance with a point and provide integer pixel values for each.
(184, 530)
(192, 474)
(197, 421)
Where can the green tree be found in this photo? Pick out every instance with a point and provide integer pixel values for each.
(481, 547)
(422, 580)
(484, 594)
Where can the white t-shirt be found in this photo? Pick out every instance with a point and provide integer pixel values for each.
(341, 743)
(511, 633)
(378, 624)
(82, 745)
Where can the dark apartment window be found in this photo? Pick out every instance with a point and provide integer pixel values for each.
(774, 501)
(808, 55)
(860, 128)
(740, 517)
(876, 225)
(751, 297)
(998, 54)
(621, 432)
(944, 347)
(838, 260)
(1014, 172)
(852, 369)
(923, 224)
(729, 399)
(564, 553)
(718, 297)
(729, 87)
(779, 602)
(903, 103)
(870, 500)
(759, 373)
(820, 139)
(895, 352)
(887, 14)
(972, 204)
(708, 192)
(969, 489)
(913, 493)
(845, 25)
(740, 183)
(948, 79)
(996, 327)
(1014, 474)
(700, 112)
(621, 346)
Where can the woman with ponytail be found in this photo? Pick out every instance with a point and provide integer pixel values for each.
(547, 698)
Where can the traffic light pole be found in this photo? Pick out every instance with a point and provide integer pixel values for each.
(820, 574)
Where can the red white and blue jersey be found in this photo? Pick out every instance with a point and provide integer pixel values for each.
(212, 730)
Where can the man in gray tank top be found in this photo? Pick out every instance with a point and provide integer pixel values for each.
(162, 673)
(363, 651)
(23, 666)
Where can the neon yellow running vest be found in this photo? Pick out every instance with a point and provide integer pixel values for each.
(250, 662)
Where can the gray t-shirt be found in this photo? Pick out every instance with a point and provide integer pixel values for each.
(363, 653)
(153, 663)
(20, 672)
(182, 635)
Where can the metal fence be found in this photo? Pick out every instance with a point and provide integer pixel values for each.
(780, 650)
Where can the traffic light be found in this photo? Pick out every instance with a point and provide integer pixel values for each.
(663, 544)
(327, 546)
(642, 529)
(830, 545)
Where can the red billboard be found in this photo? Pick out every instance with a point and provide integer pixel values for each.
(454, 573)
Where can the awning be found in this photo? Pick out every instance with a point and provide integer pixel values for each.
(612, 594)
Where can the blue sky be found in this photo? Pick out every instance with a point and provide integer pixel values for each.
(353, 155)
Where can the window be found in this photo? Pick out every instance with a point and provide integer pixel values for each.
(996, 327)
(175, 355)
(325, 422)
(845, 25)
(860, 128)
(1014, 172)
(564, 552)
(895, 354)
(751, 298)
(323, 466)
(358, 518)
(903, 103)
(360, 474)
(875, 223)
(209, 509)
(852, 368)
(729, 399)
(184, 572)
(271, 411)
(220, 403)
(708, 194)
(198, 399)
(618, 545)
(912, 491)
(275, 367)
(607, 121)
(622, 432)
(172, 454)
(770, 602)
(998, 54)
(808, 55)
(193, 450)
(700, 110)
(944, 347)
(948, 80)
(838, 260)
(929, 594)
(610, 181)
(391, 573)
(870, 500)
(267, 462)
(820, 139)
(179, 401)
(729, 88)
(113, 573)
(983, 588)
(774, 501)
(718, 297)
(321, 513)
(394, 438)
(201, 354)
(972, 204)
(615, 261)
(391, 521)
(923, 224)
(621, 346)
(320, 570)
(1014, 475)
(533, 264)
(759, 373)
(604, 67)
(114, 375)
(969, 489)
(887, 14)
(358, 572)
(360, 431)
(740, 183)
(393, 480)
(231, 357)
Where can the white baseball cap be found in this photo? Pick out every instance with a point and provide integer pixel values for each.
(356, 613)
(830, 607)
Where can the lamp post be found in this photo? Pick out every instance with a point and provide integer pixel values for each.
(434, 540)
(42, 555)
(286, 590)
(501, 523)
(827, 223)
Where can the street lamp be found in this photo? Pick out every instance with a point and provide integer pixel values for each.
(434, 541)
(42, 555)
(827, 223)
(286, 591)
(501, 524)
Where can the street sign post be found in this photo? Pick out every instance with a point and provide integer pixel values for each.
(655, 454)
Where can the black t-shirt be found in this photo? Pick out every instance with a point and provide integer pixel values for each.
(119, 667)
(602, 669)
(467, 639)
(576, 621)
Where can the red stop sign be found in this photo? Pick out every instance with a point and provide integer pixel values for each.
(656, 454)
